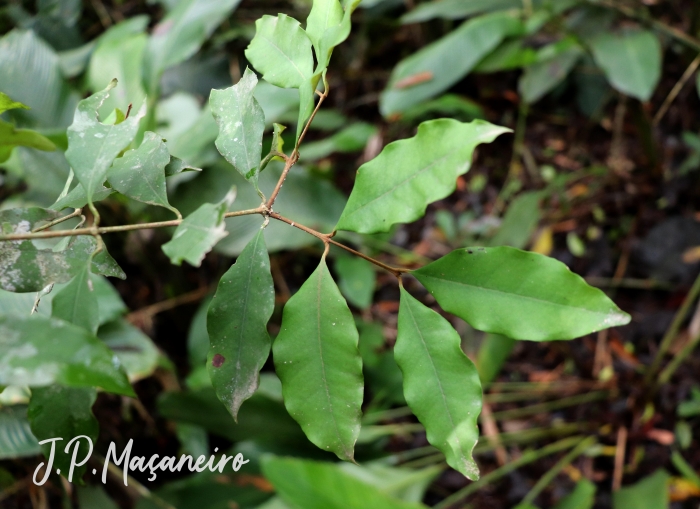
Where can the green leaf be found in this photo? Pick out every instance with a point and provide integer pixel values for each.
(140, 173)
(400, 482)
(649, 493)
(76, 303)
(316, 485)
(327, 26)
(64, 412)
(553, 66)
(39, 351)
(32, 75)
(177, 165)
(237, 326)
(439, 65)
(398, 185)
(352, 138)
(241, 125)
(93, 146)
(317, 360)
(583, 496)
(25, 268)
(324, 15)
(631, 61)
(11, 138)
(307, 101)
(77, 197)
(440, 383)
(198, 233)
(456, 9)
(180, 34)
(16, 438)
(520, 221)
(8, 104)
(118, 55)
(135, 351)
(518, 294)
(356, 279)
(493, 353)
(281, 51)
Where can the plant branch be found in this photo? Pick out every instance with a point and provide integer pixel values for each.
(292, 159)
(75, 213)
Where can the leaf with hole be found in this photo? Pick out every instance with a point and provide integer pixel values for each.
(241, 125)
(198, 233)
(140, 173)
(631, 61)
(64, 412)
(281, 51)
(92, 145)
(39, 351)
(318, 362)
(408, 175)
(440, 383)
(237, 325)
(518, 294)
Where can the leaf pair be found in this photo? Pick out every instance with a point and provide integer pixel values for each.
(315, 353)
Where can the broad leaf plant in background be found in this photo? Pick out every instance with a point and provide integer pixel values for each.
(56, 251)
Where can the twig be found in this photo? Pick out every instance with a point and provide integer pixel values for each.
(159, 307)
(676, 90)
(554, 471)
(620, 450)
(528, 457)
(73, 214)
(491, 432)
(672, 331)
(291, 160)
(681, 356)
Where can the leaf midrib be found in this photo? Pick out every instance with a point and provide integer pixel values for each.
(527, 297)
(437, 378)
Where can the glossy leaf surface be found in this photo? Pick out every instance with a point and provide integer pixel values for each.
(64, 412)
(241, 125)
(39, 351)
(318, 362)
(237, 325)
(281, 51)
(439, 65)
(518, 294)
(440, 383)
(315, 485)
(398, 185)
(631, 61)
(198, 233)
(92, 145)
(140, 173)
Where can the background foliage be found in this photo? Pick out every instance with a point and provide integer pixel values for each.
(601, 173)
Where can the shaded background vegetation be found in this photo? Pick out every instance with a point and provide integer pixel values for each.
(600, 177)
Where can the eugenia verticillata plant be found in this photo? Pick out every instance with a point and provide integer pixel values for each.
(501, 290)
